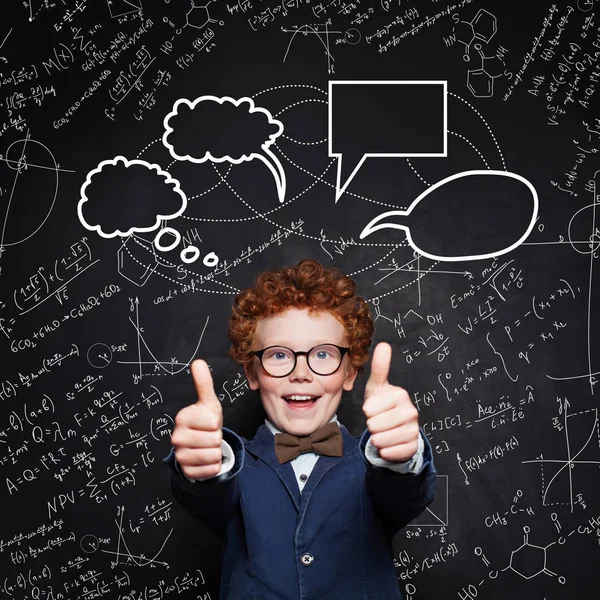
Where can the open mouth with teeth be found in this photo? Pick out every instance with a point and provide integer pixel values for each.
(301, 401)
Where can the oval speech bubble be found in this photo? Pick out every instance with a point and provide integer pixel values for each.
(470, 215)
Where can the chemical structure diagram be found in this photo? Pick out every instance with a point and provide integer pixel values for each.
(527, 561)
(199, 15)
(475, 35)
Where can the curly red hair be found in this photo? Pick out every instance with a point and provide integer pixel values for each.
(306, 285)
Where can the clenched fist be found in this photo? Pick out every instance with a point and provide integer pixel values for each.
(392, 418)
(198, 428)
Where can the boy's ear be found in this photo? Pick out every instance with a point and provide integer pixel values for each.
(251, 377)
(350, 377)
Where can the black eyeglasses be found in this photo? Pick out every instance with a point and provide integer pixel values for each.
(280, 361)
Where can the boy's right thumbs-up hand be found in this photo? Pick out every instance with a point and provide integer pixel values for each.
(198, 428)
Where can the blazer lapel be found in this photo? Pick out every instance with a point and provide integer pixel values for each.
(323, 465)
(262, 446)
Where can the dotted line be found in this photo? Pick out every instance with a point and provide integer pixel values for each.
(582, 412)
(199, 289)
(484, 122)
(290, 85)
(331, 185)
(168, 264)
(543, 483)
(33, 17)
(462, 137)
(376, 262)
(277, 208)
(417, 173)
(291, 139)
(300, 102)
(318, 178)
(299, 233)
(592, 410)
(148, 146)
(209, 189)
(236, 290)
(156, 374)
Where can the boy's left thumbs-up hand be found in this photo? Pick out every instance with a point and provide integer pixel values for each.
(392, 418)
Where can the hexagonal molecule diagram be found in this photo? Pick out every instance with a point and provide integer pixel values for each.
(529, 560)
(199, 14)
(475, 35)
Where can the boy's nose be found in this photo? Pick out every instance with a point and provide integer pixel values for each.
(301, 370)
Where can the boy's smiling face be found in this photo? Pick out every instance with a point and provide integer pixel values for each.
(300, 330)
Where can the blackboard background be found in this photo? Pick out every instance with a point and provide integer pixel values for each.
(97, 333)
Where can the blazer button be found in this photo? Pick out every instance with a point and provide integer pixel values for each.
(307, 559)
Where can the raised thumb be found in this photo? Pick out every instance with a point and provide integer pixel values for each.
(204, 385)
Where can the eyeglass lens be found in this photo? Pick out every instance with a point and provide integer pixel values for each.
(323, 360)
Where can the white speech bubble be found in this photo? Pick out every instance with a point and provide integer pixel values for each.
(266, 156)
(340, 187)
(382, 222)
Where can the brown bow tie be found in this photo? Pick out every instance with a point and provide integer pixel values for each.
(325, 440)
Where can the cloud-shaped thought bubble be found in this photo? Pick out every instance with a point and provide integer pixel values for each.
(468, 216)
(224, 130)
(120, 197)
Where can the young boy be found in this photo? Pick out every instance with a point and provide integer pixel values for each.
(306, 510)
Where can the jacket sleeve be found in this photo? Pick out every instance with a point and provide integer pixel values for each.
(211, 501)
(397, 497)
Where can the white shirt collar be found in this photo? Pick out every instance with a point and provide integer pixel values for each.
(274, 429)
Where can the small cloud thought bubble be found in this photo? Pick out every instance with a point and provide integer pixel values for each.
(224, 130)
(120, 197)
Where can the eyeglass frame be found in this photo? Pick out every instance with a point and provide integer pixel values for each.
(259, 354)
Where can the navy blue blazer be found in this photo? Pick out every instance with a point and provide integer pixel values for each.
(332, 541)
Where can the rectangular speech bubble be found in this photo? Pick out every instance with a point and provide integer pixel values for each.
(385, 119)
